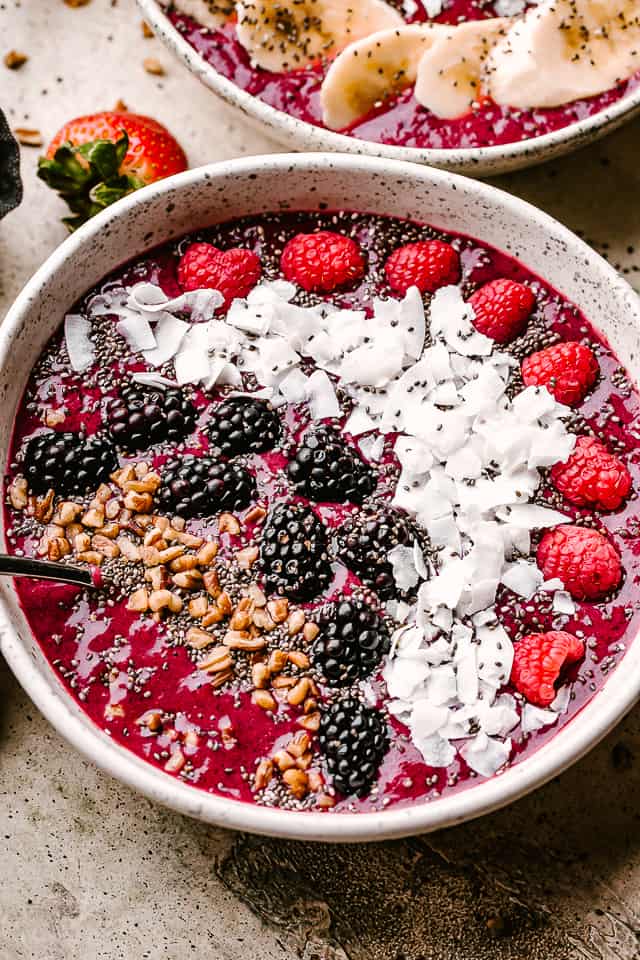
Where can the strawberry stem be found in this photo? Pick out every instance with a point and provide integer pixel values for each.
(88, 177)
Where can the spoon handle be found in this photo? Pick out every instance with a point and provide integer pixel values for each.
(45, 570)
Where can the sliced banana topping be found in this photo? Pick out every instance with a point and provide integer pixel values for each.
(449, 73)
(564, 50)
(283, 35)
(370, 71)
(209, 13)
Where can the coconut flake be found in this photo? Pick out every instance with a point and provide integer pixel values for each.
(402, 562)
(80, 347)
(523, 577)
(404, 675)
(529, 516)
(563, 603)
(150, 379)
(485, 755)
(495, 654)
(374, 364)
(562, 700)
(427, 719)
(192, 359)
(407, 317)
(169, 333)
(436, 751)
(109, 303)
(276, 357)
(535, 718)
(201, 304)
(250, 318)
(358, 422)
(451, 320)
(293, 386)
(372, 448)
(137, 331)
(321, 395)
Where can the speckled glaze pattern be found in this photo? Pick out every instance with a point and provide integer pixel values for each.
(200, 198)
(296, 134)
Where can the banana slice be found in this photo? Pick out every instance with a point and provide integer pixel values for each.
(449, 73)
(282, 35)
(209, 13)
(564, 50)
(372, 70)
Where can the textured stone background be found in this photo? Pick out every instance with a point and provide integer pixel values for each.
(91, 871)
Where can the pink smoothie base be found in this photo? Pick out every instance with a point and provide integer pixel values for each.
(74, 629)
(402, 122)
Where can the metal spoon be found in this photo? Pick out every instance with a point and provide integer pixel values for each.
(45, 570)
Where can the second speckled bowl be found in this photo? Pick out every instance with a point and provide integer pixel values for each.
(300, 135)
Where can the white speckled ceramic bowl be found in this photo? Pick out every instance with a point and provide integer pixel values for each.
(215, 193)
(299, 135)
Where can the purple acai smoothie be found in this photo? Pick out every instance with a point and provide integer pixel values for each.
(250, 630)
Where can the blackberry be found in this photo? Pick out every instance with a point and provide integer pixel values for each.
(325, 469)
(201, 486)
(70, 463)
(244, 425)
(293, 552)
(364, 542)
(138, 419)
(353, 639)
(353, 739)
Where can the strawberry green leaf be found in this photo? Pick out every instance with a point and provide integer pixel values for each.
(88, 176)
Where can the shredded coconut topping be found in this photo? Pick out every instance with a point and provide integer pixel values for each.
(470, 459)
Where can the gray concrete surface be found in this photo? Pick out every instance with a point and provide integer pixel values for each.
(91, 871)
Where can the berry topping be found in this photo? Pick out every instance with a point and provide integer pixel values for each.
(538, 662)
(567, 370)
(427, 265)
(586, 561)
(244, 425)
(137, 418)
(322, 262)
(592, 476)
(502, 308)
(233, 273)
(365, 541)
(353, 740)
(68, 463)
(352, 641)
(196, 486)
(293, 552)
(324, 469)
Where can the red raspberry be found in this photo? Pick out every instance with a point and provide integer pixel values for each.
(322, 262)
(567, 370)
(592, 476)
(234, 273)
(587, 563)
(427, 265)
(538, 661)
(502, 308)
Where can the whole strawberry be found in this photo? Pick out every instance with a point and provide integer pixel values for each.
(233, 273)
(592, 476)
(502, 308)
(322, 262)
(586, 561)
(427, 265)
(538, 662)
(568, 371)
(95, 160)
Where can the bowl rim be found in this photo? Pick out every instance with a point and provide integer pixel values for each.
(304, 135)
(619, 693)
